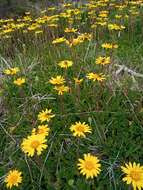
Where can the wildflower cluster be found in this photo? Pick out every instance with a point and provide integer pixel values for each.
(36, 142)
(59, 84)
(13, 72)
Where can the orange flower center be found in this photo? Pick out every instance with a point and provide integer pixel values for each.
(45, 116)
(66, 63)
(80, 128)
(35, 144)
(13, 178)
(103, 60)
(135, 175)
(41, 131)
(89, 165)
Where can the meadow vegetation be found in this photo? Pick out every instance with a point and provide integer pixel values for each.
(71, 100)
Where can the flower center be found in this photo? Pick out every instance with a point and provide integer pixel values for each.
(66, 63)
(35, 144)
(41, 131)
(89, 165)
(80, 128)
(13, 178)
(135, 175)
(45, 116)
(103, 60)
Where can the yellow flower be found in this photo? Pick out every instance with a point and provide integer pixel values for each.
(85, 36)
(45, 115)
(70, 30)
(103, 15)
(80, 39)
(103, 60)
(19, 81)
(102, 23)
(61, 89)
(89, 166)
(58, 80)
(14, 70)
(51, 8)
(74, 42)
(96, 77)
(42, 130)
(13, 178)
(11, 71)
(58, 40)
(7, 71)
(115, 27)
(33, 144)
(79, 129)
(38, 31)
(65, 64)
(78, 81)
(109, 46)
(67, 4)
(8, 30)
(53, 25)
(118, 16)
(134, 175)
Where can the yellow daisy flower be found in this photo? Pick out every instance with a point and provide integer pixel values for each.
(134, 175)
(42, 130)
(96, 77)
(70, 30)
(19, 81)
(34, 143)
(58, 80)
(79, 129)
(62, 89)
(109, 46)
(65, 64)
(58, 40)
(11, 71)
(115, 27)
(80, 39)
(103, 60)
(13, 178)
(7, 71)
(89, 166)
(45, 115)
(78, 81)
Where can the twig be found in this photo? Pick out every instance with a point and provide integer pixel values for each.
(129, 71)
